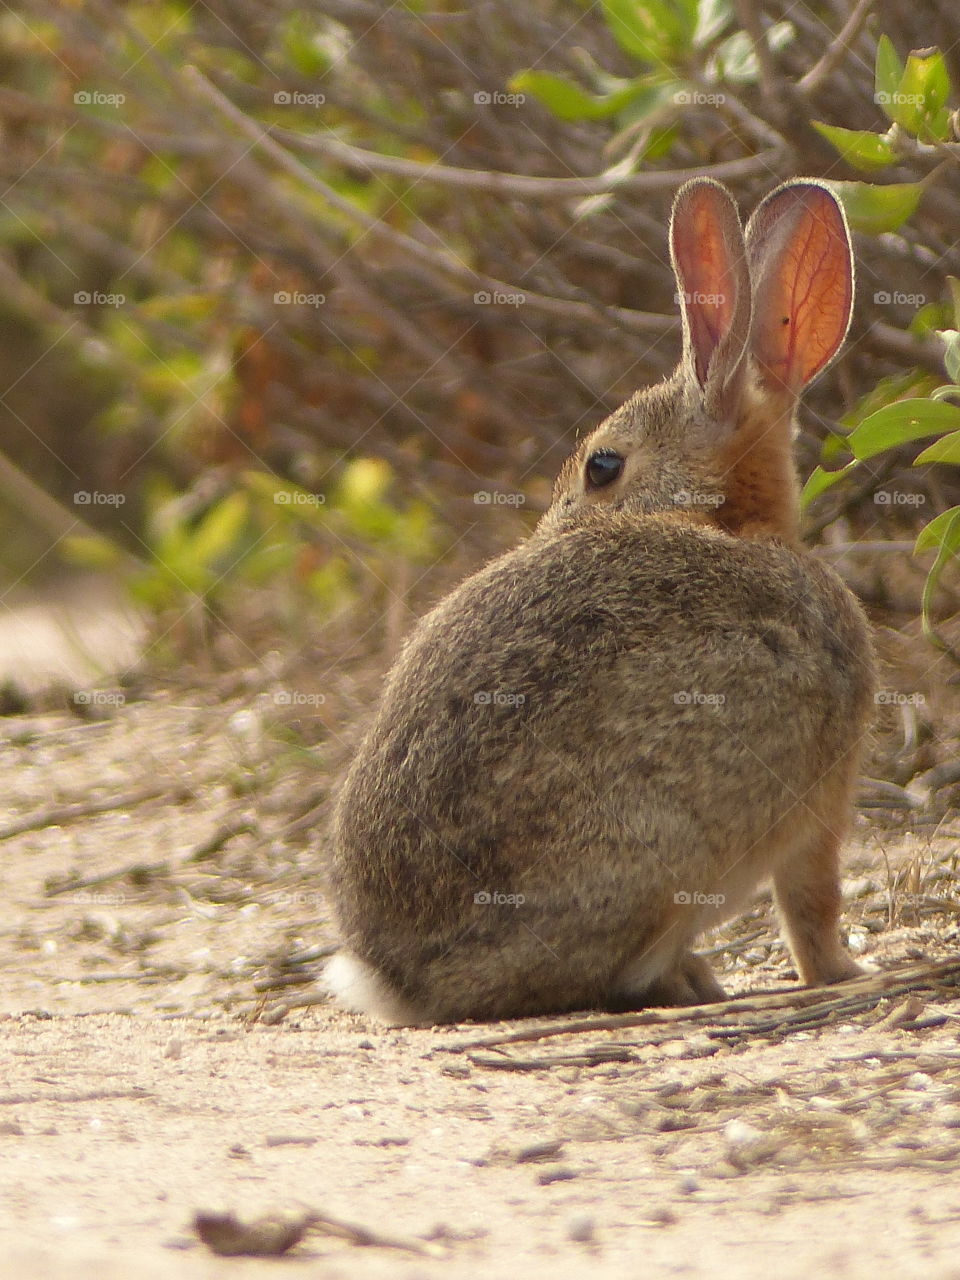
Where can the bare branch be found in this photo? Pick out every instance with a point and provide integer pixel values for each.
(838, 49)
(518, 184)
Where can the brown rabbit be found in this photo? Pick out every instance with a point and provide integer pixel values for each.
(601, 743)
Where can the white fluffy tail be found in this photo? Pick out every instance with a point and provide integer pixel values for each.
(361, 989)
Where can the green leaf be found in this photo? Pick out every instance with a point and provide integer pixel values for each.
(712, 17)
(914, 96)
(834, 448)
(654, 31)
(270, 559)
(876, 209)
(91, 551)
(365, 482)
(820, 481)
(736, 59)
(181, 307)
(904, 386)
(655, 103)
(901, 423)
(304, 45)
(946, 449)
(889, 68)
(951, 353)
(938, 127)
(933, 534)
(859, 147)
(566, 100)
(928, 319)
(218, 532)
(943, 533)
(925, 85)
(287, 500)
(661, 143)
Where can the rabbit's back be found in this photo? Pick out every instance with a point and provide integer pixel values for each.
(639, 699)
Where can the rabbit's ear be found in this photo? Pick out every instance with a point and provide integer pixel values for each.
(802, 269)
(713, 282)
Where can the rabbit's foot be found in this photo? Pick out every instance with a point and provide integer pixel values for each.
(690, 981)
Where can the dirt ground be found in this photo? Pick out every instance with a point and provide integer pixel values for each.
(164, 916)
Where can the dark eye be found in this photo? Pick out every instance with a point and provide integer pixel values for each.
(603, 467)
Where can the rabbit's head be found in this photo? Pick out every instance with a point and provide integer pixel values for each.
(764, 311)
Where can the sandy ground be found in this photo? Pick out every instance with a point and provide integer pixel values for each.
(143, 943)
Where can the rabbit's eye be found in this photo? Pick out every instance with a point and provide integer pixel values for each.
(603, 467)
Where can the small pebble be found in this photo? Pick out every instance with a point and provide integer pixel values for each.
(739, 1133)
(746, 1145)
(672, 1123)
(545, 1150)
(556, 1173)
(581, 1228)
(244, 724)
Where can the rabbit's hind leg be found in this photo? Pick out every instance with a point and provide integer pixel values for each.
(686, 979)
(806, 882)
(807, 894)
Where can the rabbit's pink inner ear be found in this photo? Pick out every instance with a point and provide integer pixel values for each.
(802, 283)
(706, 244)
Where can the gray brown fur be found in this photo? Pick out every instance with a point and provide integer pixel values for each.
(672, 698)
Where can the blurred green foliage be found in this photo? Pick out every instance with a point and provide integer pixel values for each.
(278, 347)
(915, 96)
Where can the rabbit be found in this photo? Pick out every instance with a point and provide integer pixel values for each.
(601, 743)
